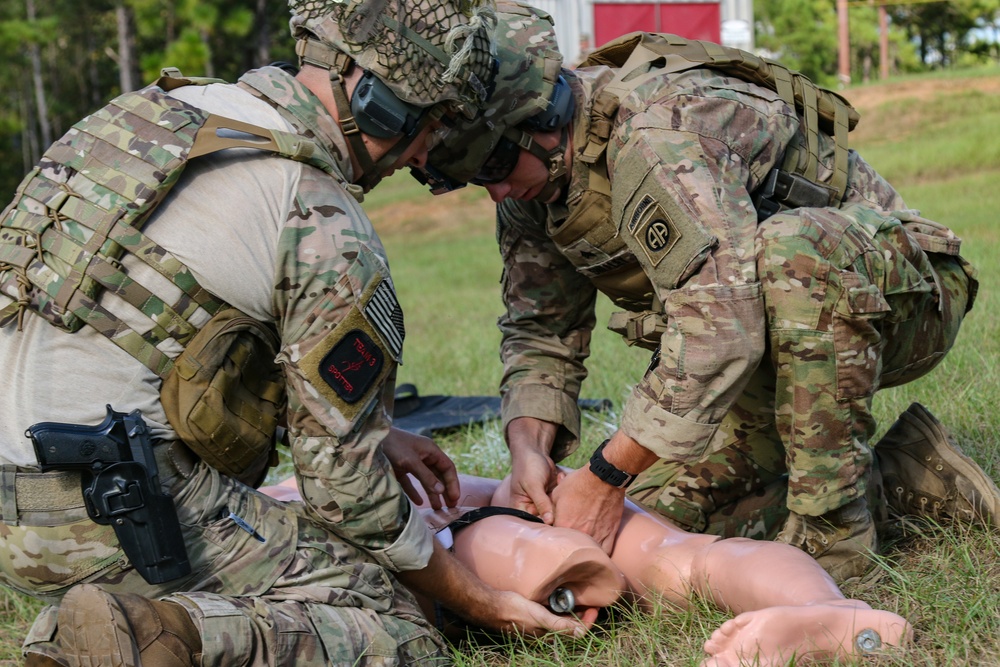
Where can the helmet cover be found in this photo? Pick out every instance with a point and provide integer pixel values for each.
(530, 65)
(425, 51)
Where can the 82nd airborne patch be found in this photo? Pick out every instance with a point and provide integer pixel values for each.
(653, 229)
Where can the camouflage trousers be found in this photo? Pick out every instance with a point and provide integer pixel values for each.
(855, 301)
(303, 596)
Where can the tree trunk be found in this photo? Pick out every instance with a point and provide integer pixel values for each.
(128, 69)
(94, 94)
(262, 48)
(34, 55)
(209, 64)
(29, 150)
(171, 28)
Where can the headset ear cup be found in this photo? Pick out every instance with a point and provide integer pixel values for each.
(377, 110)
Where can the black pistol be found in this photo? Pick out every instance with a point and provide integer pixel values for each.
(121, 487)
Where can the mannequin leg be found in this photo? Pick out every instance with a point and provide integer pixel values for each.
(787, 605)
(810, 632)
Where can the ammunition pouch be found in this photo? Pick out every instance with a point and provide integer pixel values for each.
(225, 395)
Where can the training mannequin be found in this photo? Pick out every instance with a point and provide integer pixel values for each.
(785, 604)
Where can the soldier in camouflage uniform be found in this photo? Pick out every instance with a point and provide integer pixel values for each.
(286, 243)
(773, 322)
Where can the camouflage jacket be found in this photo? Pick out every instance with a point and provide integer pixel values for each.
(285, 243)
(688, 148)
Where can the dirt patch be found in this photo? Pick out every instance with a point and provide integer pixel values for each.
(869, 99)
(468, 210)
(889, 112)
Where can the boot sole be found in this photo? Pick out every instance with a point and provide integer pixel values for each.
(94, 630)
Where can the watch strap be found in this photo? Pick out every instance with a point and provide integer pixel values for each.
(608, 473)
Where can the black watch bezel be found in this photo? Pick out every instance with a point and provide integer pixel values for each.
(608, 473)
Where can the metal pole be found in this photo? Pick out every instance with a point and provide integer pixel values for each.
(883, 43)
(844, 40)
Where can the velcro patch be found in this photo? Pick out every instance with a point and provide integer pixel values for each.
(655, 232)
(349, 365)
(352, 365)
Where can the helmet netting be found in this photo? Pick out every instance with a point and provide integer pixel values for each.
(391, 39)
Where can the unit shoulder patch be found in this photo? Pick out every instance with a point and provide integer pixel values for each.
(349, 366)
(653, 229)
(352, 365)
(652, 223)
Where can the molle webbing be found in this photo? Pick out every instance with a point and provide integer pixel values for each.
(641, 56)
(83, 206)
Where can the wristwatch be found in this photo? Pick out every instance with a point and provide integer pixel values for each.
(607, 472)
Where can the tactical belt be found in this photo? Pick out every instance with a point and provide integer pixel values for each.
(32, 498)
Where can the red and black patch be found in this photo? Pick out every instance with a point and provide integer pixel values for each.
(352, 365)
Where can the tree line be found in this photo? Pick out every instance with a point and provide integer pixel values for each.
(64, 58)
(922, 35)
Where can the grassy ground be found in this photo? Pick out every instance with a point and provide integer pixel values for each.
(941, 152)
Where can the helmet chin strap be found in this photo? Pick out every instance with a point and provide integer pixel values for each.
(318, 54)
(336, 63)
(371, 169)
(554, 160)
(369, 174)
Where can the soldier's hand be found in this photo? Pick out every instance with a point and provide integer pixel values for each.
(515, 614)
(585, 503)
(533, 473)
(447, 580)
(416, 457)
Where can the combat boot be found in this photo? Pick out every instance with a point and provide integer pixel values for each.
(926, 474)
(125, 630)
(842, 540)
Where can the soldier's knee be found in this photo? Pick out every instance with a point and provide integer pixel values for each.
(40, 646)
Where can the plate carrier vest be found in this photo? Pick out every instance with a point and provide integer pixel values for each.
(84, 205)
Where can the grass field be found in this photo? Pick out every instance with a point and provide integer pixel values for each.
(940, 151)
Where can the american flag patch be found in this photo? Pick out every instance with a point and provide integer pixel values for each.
(386, 316)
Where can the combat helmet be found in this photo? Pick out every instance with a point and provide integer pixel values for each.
(531, 94)
(420, 58)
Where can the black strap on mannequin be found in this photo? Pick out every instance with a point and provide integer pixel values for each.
(481, 513)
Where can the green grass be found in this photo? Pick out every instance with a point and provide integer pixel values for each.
(946, 582)
(934, 140)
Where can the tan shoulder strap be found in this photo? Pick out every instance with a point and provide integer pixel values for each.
(219, 133)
